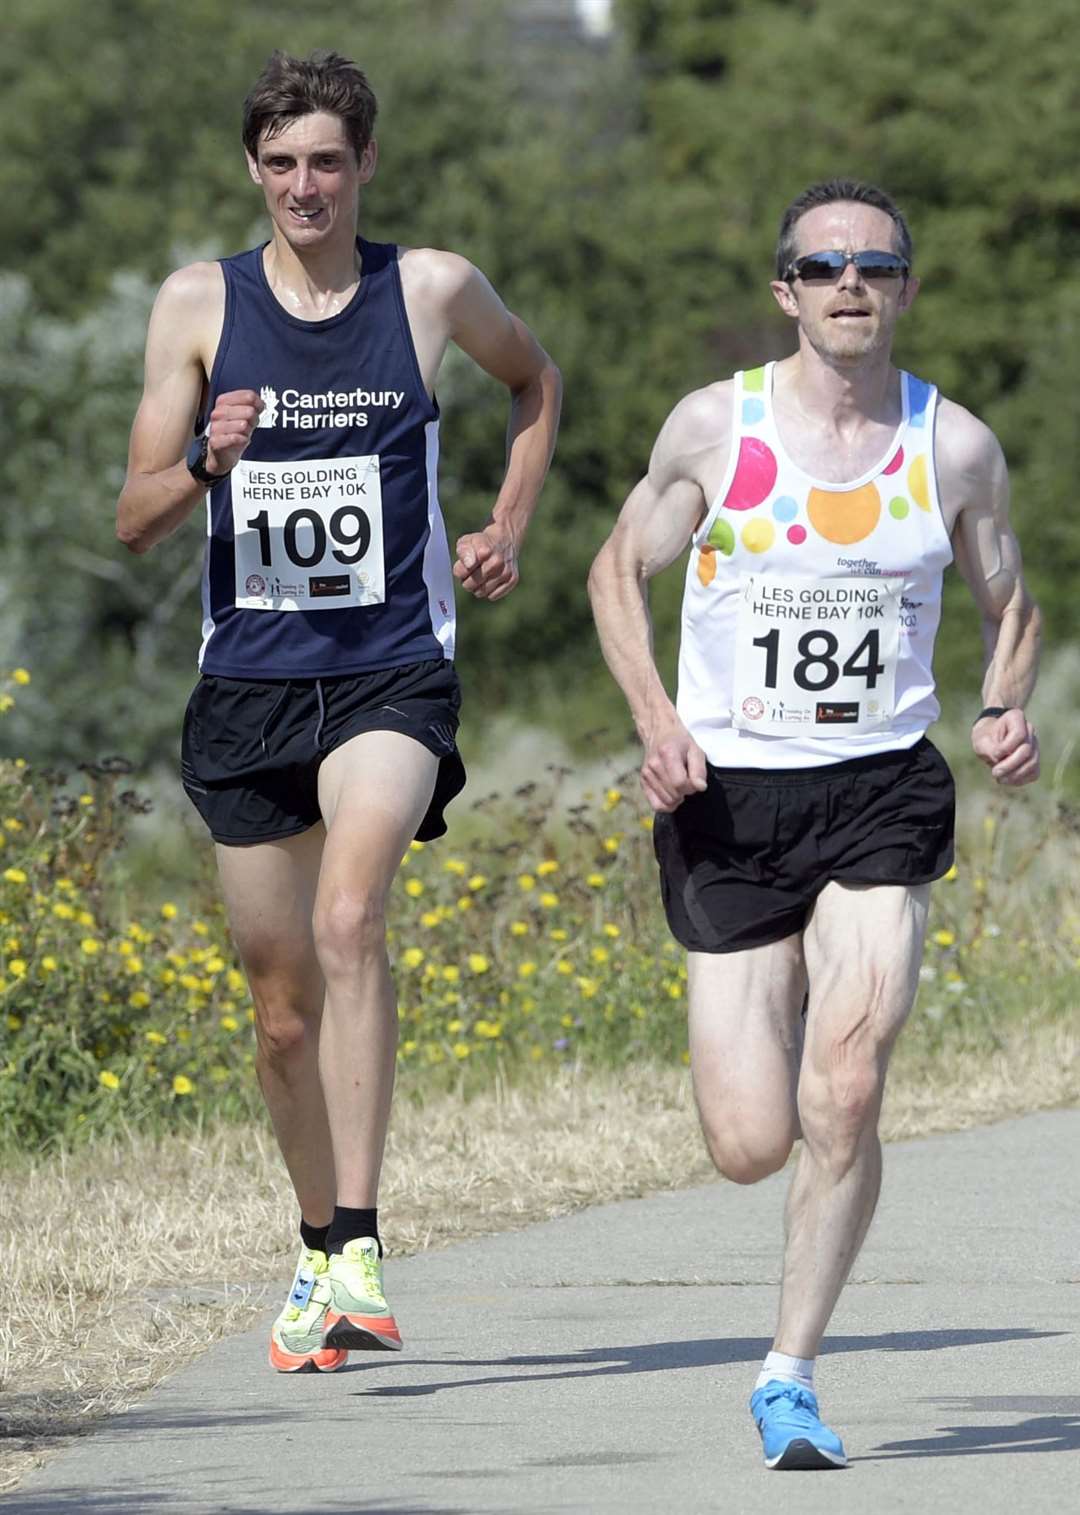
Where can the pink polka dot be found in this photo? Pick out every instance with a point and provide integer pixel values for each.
(796, 535)
(755, 475)
(897, 462)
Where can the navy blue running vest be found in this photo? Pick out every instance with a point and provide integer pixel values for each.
(327, 553)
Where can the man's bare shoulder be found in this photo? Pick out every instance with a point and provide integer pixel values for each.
(699, 423)
(966, 450)
(188, 289)
(434, 273)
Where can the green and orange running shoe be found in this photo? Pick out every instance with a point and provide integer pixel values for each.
(358, 1317)
(296, 1337)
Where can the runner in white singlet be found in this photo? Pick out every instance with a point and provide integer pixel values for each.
(801, 813)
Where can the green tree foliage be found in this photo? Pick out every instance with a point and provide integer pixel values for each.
(623, 199)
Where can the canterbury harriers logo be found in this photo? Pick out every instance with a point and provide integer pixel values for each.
(304, 410)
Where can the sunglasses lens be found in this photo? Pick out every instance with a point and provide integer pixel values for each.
(880, 265)
(817, 266)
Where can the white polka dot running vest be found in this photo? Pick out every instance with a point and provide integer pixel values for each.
(810, 608)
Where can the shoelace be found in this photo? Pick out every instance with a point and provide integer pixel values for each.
(797, 1395)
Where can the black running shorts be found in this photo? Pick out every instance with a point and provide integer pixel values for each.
(250, 752)
(742, 863)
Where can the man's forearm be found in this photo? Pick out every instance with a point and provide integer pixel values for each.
(530, 444)
(152, 505)
(1012, 645)
(620, 609)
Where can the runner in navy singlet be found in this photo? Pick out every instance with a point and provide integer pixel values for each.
(293, 388)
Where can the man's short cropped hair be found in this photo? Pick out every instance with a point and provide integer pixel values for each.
(291, 87)
(830, 192)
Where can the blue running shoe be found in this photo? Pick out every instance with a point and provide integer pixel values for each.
(791, 1430)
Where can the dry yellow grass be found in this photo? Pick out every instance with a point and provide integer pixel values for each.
(125, 1260)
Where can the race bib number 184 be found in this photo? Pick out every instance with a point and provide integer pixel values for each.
(308, 535)
(816, 655)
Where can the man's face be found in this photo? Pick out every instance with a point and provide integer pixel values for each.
(848, 317)
(311, 178)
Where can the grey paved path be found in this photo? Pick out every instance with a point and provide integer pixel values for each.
(602, 1363)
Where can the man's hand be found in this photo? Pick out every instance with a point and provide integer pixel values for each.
(674, 767)
(232, 420)
(1007, 744)
(486, 563)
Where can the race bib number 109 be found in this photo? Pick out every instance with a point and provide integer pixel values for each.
(816, 655)
(308, 535)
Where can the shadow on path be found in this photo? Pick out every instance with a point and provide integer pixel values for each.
(1055, 1429)
(80, 1499)
(666, 1356)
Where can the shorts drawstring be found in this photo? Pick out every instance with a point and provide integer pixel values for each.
(322, 715)
(273, 712)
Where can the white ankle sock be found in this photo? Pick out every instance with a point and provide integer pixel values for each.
(798, 1370)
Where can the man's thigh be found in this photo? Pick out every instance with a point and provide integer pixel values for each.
(269, 891)
(746, 1031)
(374, 790)
(863, 946)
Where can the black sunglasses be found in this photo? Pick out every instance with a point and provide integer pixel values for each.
(829, 265)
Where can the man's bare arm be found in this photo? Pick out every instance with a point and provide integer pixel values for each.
(479, 323)
(654, 526)
(972, 470)
(159, 493)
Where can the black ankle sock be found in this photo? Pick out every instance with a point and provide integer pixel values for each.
(313, 1237)
(348, 1224)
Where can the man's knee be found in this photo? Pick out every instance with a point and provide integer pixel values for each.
(350, 929)
(838, 1106)
(283, 1025)
(746, 1157)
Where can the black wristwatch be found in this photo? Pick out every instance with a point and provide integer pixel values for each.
(196, 462)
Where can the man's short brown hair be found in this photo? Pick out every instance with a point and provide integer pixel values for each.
(830, 192)
(290, 87)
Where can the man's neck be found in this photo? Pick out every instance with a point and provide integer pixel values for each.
(315, 282)
(841, 394)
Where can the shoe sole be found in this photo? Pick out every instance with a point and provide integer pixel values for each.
(323, 1361)
(802, 1454)
(362, 1333)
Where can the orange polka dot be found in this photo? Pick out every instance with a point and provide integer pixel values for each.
(844, 516)
(706, 565)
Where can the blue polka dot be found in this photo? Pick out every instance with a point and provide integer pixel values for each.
(752, 411)
(785, 508)
(918, 399)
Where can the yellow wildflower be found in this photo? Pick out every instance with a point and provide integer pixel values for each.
(182, 1084)
(156, 1039)
(478, 963)
(612, 931)
(414, 888)
(430, 918)
(595, 880)
(14, 1022)
(547, 867)
(84, 918)
(549, 901)
(559, 934)
(200, 928)
(944, 938)
(15, 875)
(20, 676)
(477, 881)
(86, 799)
(588, 987)
(138, 999)
(215, 964)
(562, 966)
(49, 965)
(465, 902)
(90, 946)
(451, 973)
(519, 928)
(109, 1079)
(488, 1029)
(416, 846)
(6, 703)
(456, 866)
(412, 957)
(526, 881)
(454, 1026)
(169, 911)
(229, 1023)
(600, 954)
(612, 798)
(11, 824)
(235, 981)
(526, 970)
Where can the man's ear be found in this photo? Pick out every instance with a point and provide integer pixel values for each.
(785, 298)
